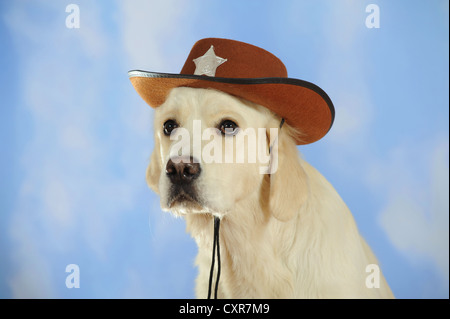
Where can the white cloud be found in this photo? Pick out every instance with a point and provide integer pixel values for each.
(56, 202)
(67, 196)
(153, 33)
(32, 277)
(353, 118)
(343, 71)
(135, 287)
(94, 42)
(416, 215)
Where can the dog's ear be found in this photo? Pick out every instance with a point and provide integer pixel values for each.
(154, 169)
(288, 180)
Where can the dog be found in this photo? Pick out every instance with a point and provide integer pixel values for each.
(286, 234)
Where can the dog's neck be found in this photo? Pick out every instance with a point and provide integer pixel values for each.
(247, 219)
(246, 237)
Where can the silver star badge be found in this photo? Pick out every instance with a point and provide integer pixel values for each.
(208, 63)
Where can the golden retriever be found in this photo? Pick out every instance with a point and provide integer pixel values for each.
(287, 234)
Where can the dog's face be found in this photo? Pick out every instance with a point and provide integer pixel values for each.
(205, 158)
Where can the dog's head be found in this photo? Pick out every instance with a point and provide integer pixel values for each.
(212, 152)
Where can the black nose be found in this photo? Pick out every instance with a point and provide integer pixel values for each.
(183, 170)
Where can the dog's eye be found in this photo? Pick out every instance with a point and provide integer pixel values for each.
(228, 127)
(169, 126)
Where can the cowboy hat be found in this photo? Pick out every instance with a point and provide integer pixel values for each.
(248, 72)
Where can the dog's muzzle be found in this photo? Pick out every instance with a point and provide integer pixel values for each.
(182, 172)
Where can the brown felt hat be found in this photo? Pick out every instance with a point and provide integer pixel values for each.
(251, 73)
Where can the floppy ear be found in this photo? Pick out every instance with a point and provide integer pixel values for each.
(154, 169)
(288, 181)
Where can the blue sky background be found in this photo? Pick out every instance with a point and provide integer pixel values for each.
(76, 138)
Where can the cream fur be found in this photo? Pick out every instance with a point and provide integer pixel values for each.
(287, 235)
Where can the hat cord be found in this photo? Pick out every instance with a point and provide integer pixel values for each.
(216, 242)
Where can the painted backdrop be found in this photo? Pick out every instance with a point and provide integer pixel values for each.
(76, 138)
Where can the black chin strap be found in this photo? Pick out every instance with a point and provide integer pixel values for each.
(215, 243)
(271, 146)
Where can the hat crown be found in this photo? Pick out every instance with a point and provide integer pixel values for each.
(242, 60)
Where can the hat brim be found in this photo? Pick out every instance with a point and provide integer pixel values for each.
(302, 104)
